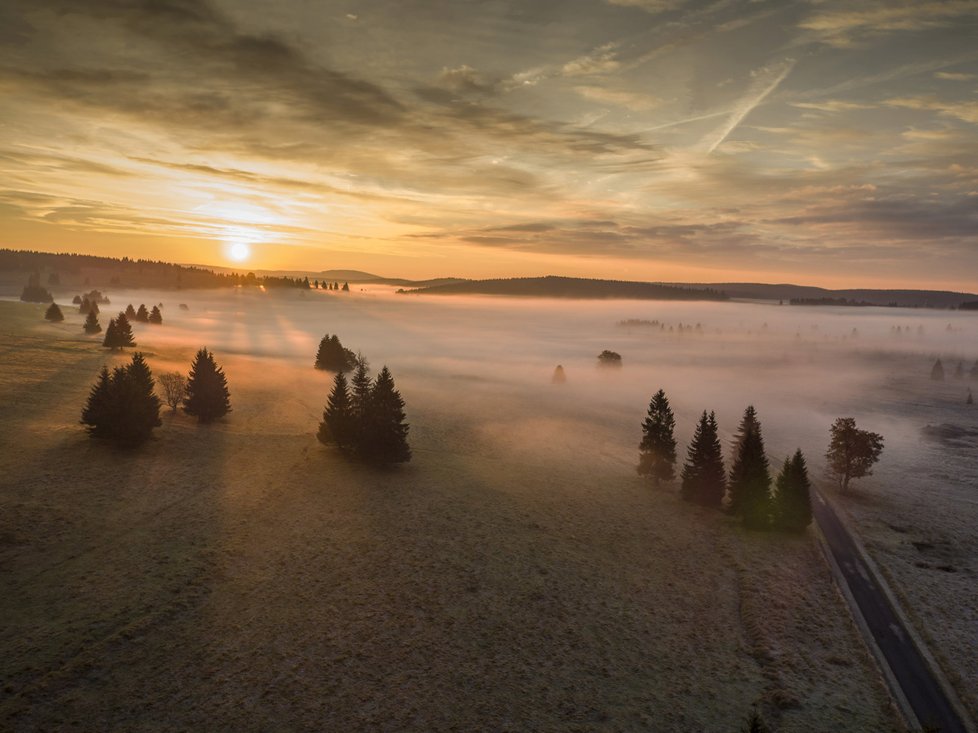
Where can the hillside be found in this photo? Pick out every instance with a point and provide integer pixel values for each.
(553, 286)
(860, 296)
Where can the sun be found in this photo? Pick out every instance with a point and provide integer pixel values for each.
(239, 251)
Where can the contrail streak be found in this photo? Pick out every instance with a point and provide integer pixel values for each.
(748, 106)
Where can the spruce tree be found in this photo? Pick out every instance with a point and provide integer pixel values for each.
(793, 497)
(346, 287)
(91, 323)
(385, 438)
(142, 315)
(156, 316)
(207, 392)
(119, 333)
(122, 407)
(937, 371)
(130, 312)
(332, 357)
(704, 477)
(95, 414)
(54, 314)
(338, 425)
(750, 479)
(657, 451)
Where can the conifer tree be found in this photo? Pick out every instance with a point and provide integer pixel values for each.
(54, 314)
(119, 333)
(122, 406)
(85, 306)
(657, 451)
(338, 425)
(142, 315)
(793, 495)
(704, 477)
(937, 371)
(130, 312)
(332, 357)
(95, 414)
(750, 479)
(156, 316)
(207, 392)
(385, 438)
(91, 323)
(346, 287)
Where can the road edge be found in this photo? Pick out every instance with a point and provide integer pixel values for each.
(932, 665)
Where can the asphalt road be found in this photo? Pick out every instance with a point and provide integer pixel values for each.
(924, 694)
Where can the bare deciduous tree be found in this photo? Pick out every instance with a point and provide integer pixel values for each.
(174, 386)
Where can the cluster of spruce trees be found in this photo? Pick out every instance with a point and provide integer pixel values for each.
(123, 408)
(143, 315)
(333, 357)
(748, 491)
(366, 417)
(326, 285)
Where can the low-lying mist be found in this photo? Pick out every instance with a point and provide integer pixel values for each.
(490, 361)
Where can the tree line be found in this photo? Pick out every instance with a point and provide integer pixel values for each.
(747, 490)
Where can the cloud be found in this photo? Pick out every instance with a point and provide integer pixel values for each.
(635, 101)
(834, 105)
(954, 76)
(848, 24)
(964, 111)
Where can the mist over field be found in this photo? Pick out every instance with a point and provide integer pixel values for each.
(517, 553)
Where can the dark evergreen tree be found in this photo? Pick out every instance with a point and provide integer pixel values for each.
(937, 371)
(793, 495)
(130, 312)
(156, 316)
(346, 287)
(76, 300)
(54, 314)
(750, 478)
(96, 413)
(384, 439)
(119, 333)
(657, 451)
(142, 315)
(704, 476)
(123, 407)
(852, 452)
(91, 323)
(207, 391)
(85, 306)
(338, 425)
(332, 357)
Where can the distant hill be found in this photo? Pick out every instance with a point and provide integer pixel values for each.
(807, 295)
(553, 286)
(349, 276)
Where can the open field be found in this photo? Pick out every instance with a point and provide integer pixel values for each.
(517, 574)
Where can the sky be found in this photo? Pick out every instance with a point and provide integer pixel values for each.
(818, 142)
